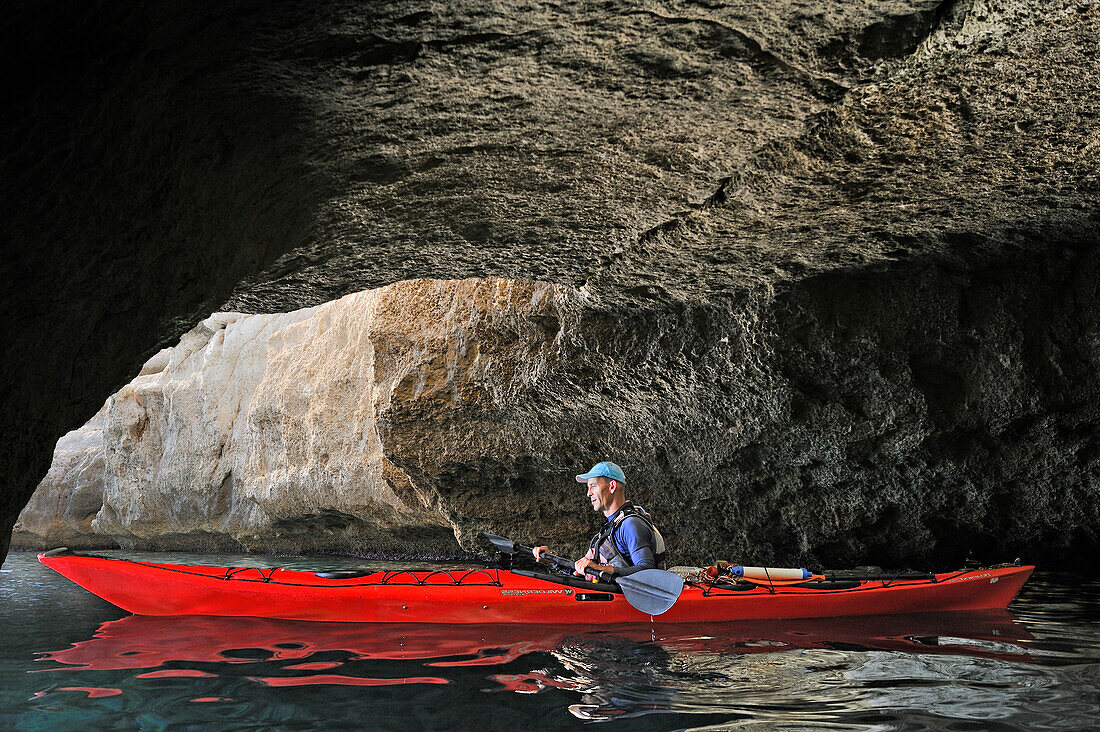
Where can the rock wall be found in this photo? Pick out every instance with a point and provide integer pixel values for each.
(261, 431)
(833, 265)
(66, 502)
(150, 163)
(407, 419)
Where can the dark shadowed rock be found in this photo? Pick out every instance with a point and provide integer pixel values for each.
(838, 263)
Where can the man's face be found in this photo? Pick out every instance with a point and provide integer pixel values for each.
(601, 492)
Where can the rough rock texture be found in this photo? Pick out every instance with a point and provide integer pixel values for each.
(148, 164)
(67, 500)
(836, 261)
(261, 431)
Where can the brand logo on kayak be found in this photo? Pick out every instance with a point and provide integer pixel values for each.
(973, 577)
(536, 592)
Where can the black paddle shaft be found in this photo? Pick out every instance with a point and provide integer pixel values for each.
(510, 547)
(651, 591)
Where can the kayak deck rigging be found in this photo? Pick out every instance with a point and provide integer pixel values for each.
(490, 595)
(398, 577)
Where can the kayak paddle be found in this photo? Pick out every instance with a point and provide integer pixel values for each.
(652, 591)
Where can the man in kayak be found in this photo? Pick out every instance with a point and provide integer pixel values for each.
(628, 542)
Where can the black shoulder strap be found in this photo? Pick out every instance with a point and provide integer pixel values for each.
(629, 509)
(607, 531)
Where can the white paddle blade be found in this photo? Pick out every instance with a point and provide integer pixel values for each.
(652, 591)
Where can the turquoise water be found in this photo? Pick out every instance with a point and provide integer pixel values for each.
(71, 661)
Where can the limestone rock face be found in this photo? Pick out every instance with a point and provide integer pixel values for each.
(68, 499)
(261, 431)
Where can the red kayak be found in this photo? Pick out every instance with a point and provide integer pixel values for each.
(504, 596)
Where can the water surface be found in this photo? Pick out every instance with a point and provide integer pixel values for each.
(72, 661)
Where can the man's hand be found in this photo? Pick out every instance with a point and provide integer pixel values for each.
(588, 563)
(580, 565)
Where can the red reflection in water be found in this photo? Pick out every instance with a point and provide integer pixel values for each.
(530, 683)
(318, 666)
(345, 680)
(176, 673)
(148, 642)
(143, 642)
(93, 692)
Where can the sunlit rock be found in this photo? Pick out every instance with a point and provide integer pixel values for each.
(262, 431)
(67, 500)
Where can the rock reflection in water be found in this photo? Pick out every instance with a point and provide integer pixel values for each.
(775, 670)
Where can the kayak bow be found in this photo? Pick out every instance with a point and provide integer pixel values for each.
(502, 596)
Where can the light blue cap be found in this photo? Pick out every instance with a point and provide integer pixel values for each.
(604, 469)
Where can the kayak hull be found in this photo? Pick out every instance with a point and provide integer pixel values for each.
(498, 596)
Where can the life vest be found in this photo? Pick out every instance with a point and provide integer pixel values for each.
(607, 550)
